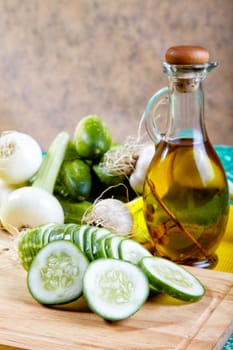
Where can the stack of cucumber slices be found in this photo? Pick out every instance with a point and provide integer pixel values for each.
(115, 274)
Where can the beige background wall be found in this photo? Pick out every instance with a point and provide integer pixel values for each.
(63, 59)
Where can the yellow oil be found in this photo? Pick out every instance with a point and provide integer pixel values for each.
(186, 202)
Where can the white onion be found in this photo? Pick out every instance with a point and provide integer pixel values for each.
(20, 157)
(112, 214)
(138, 176)
(5, 190)
(30, 207)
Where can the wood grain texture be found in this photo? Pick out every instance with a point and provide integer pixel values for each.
(162, 323)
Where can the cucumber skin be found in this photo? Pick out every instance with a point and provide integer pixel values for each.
(161, 287)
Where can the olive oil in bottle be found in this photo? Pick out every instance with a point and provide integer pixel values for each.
(186, 202)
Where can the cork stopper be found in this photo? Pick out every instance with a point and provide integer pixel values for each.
(187, 55)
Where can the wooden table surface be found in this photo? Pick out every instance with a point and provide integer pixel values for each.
(162, 323)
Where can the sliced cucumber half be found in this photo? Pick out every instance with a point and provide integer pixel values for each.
(172, 279)
(114, 289)
(56, 273)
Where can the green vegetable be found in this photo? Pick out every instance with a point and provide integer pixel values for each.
(71, 153)
(50, 167)
(74, 180)
(114, 289)
(111, 246)
(172, 279)
(92, 138)
(74, 211)
(106, 177)
(87, 242)
(56, 274)
(100, 248)
(97, 237)
(132, 251)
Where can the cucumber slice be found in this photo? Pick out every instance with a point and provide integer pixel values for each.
(100, 246)
(87, 242)
(56, 273)
(132, 251)
(47, 229)
(56, 233)
(114, 289)
(100, 233)
(78, 237)
(69, 231)
(112, 246)
(172, 279)
(31, 247)
(23, 250)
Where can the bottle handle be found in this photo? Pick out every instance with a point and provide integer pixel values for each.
(149, 115)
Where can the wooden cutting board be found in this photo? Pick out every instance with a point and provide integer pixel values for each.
(162, 323)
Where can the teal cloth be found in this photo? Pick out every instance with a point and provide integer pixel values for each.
(229, 344)
(225, 153)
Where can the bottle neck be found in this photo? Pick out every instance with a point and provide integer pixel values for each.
(186, 109)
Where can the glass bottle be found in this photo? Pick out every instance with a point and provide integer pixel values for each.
(186, 199)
